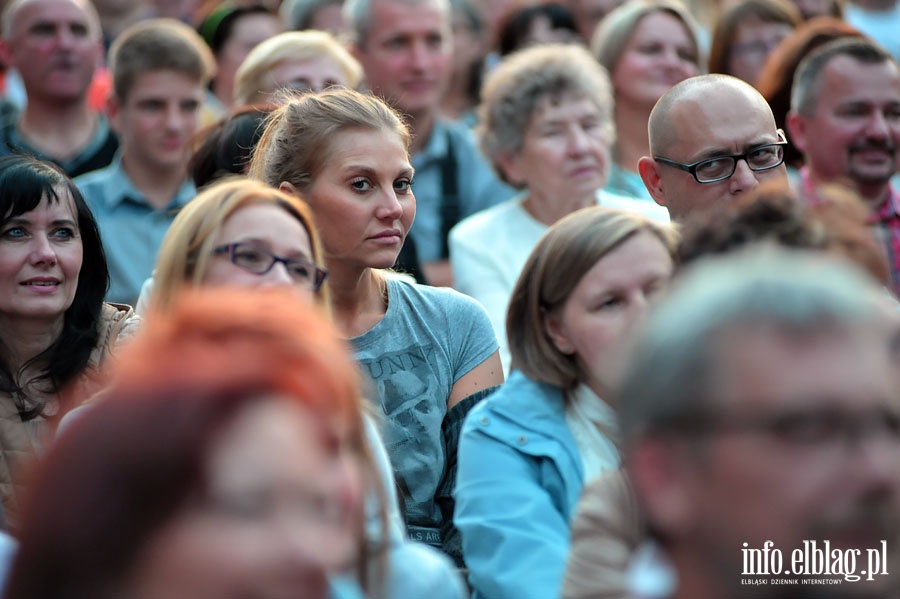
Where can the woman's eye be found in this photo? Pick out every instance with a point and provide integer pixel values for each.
(361, 185)
(64, 233)
(402, 185)
(14, 233)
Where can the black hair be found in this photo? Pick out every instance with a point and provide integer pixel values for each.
(225, 147)
(24, 182)
(518, 24)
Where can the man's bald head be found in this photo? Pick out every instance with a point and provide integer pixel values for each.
(701, 90)
(706, 117)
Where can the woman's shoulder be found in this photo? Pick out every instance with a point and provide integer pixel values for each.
(117, 323)
(520, 402)
(425, 298)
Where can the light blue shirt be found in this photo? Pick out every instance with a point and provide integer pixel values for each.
(519, 481)
(132, 230)
(476, 184)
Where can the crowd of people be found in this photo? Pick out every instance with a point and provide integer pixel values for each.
(443, 298)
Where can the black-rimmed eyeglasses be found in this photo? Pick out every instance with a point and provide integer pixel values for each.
(718, 168)
(255, 259)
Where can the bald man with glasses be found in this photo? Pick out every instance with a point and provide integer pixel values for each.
(712, 137)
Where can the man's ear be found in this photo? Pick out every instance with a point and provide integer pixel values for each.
(649, 171)
(662, 481)
(797, 132)
(555, 330)
(288, 188)
(6, 54)
(114, 113)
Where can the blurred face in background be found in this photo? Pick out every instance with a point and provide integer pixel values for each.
(659, 54)
(565, 151)
(753, 41)
(281, 510)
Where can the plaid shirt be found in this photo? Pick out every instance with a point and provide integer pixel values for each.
(885, 223)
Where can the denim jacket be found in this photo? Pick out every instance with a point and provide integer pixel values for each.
(519, 481)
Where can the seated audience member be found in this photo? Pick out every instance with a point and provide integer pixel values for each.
(159, 70)
(430, 353)
(453, 180)
(746, 33)
(243, 233)
(608, 529)
(321, 15)
(239, 470)
(57, 123)
(56, 331)
(762, 412)
(530, 25)
(845, 104)
(646, 46)
(231, 32)
(297, 60)
(470, 49)
(526, 451)
(547, 127)
(777, 76)
(712, 138)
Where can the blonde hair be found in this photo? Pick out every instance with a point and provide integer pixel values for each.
(253, 80)
(190, 240)
(616, 28)
(566, 252)
(297, 140)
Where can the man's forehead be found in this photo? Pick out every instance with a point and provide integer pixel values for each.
(769, 366)
(26, 11)
(727, 122)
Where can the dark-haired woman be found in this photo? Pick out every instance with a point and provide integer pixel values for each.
(55, 329)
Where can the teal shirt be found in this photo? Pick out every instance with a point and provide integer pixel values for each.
(132, 230)
(626, 183)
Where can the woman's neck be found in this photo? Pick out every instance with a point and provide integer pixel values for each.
(358, 298)
(23, 339)
(632, 138)
(550, 210)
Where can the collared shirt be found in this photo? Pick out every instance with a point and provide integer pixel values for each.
(97, 154)
(450, 149)
(132, 230)
(885, 222)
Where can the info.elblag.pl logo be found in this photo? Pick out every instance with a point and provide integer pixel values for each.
(816, 562)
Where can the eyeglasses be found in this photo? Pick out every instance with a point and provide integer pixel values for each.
(710, 170)
(254, 259)
(810, 428)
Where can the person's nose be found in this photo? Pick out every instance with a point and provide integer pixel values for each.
(743, 179)
(278, 276)
(877, 127)
(420, 56)
(579, 142)
(390, 207)
(42, 252)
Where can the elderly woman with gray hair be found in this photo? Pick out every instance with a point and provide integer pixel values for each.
(647, 46)
(546, 125)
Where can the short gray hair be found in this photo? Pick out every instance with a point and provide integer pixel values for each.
(808, 76)
(358, 16)
(671, 372)
(515, 89)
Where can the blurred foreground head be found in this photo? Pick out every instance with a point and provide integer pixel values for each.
(226, 461)
(762, 405)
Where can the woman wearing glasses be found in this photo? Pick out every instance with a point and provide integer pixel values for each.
(240, 233)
